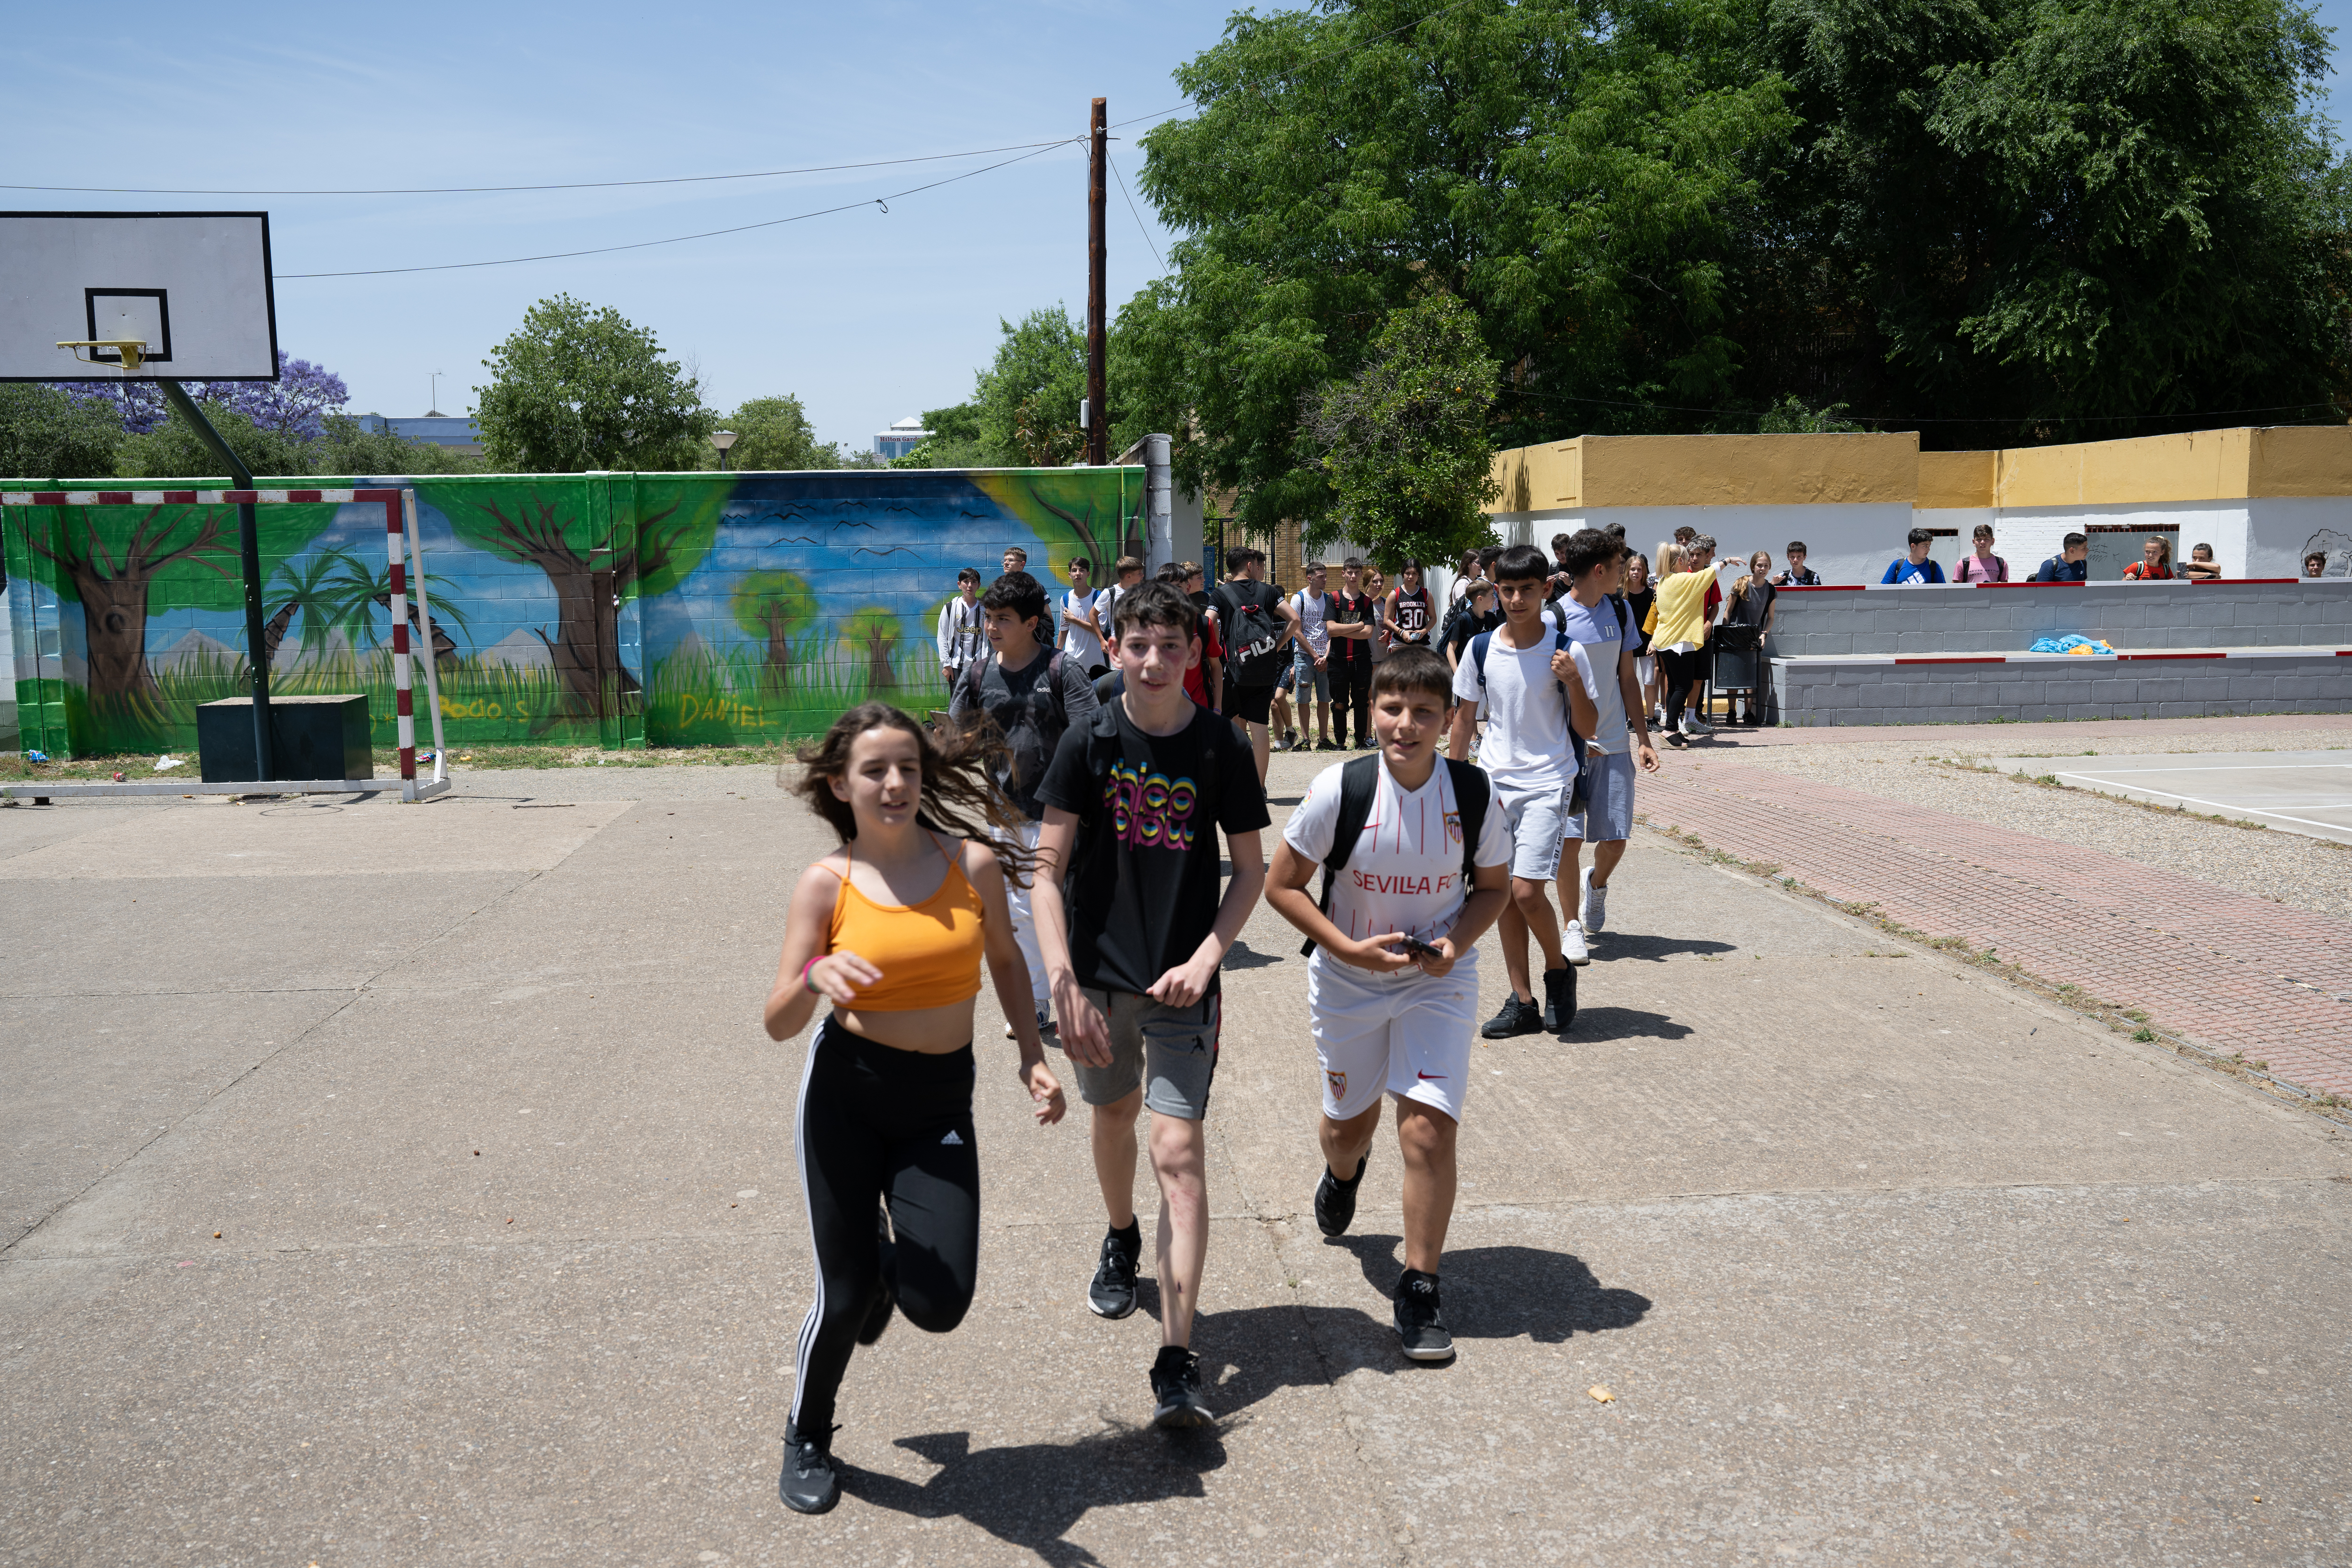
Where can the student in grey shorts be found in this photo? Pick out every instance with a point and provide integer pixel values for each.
(1133, 936)
(1600, 657)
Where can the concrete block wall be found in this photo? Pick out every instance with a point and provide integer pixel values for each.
(2131, 616)
(1836, 691)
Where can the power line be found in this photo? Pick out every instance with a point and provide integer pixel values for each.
(681, 238)
(575, 185)
(1132, 209)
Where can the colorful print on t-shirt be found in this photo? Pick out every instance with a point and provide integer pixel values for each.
(1149, 810)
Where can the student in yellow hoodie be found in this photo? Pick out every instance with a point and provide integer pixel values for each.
(1679, 633)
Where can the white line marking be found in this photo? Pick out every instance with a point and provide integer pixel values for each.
(2222, 806)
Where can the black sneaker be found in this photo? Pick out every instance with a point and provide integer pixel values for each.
(1176, 1389)
(1290, 740)
(1335, 1200)
(1112, 1294)
(877, 1311)
(810, 1483)
(1559, 999)
(1420, 1331)
(1517, 1017)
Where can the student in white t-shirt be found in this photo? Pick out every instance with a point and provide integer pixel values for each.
(1528, 750)
(1392, 987)
(1083, 614)
(1600, 652)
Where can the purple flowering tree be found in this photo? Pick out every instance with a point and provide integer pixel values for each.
(297, 404)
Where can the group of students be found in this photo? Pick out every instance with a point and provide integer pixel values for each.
(2070, 564)
(1068, 844)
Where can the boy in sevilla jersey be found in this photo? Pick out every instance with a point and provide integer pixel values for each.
(1392, 987)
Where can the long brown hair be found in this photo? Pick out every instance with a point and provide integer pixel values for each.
(960, 796)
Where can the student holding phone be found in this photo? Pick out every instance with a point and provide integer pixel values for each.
(1415, 853)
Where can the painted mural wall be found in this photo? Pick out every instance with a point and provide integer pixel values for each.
(611, 610)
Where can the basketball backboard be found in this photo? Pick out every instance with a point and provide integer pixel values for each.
(194, 286)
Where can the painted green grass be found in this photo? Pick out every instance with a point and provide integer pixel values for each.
(705, 698)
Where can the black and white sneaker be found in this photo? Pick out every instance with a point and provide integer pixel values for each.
(1421, 1331)
(1517, 1017)
(1335, 1200)
(1112, 1294)
(811, 1482)
(1176, 1389)
(878, 1311)
(1559, 999)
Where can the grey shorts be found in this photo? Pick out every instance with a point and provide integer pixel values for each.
(1172, 1052)
(1309, 681)
(1536, 818)
(1607, 814)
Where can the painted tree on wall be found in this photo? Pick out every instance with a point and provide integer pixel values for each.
(593, 565)
(879, 631)
(773, 605)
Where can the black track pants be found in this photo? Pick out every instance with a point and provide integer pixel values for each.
(1682, 670)
(881, 1125)
(1351, 690)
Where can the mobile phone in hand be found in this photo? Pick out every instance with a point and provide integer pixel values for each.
(1416, 948)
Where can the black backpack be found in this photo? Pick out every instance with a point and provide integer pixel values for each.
(972, 684)
(1360, 779)
(1253, 638)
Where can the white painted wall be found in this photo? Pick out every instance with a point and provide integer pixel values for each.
(1845, 543)
(2279, 531)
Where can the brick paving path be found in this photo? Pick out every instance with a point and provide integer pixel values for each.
(2228, 971)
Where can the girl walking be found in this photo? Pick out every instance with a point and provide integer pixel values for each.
(891, 928)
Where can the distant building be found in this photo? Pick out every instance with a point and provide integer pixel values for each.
(899, 439)
(435, 429)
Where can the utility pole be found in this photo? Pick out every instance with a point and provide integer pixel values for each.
(1097, 171)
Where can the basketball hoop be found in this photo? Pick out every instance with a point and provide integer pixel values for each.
(128, 351)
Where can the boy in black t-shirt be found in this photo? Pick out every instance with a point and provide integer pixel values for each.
(1133, 936)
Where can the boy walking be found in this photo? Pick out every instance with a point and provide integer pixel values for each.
(1600, 657)
(1531, 750)
(1134, 801)
(1416, 867)
(1082, 613)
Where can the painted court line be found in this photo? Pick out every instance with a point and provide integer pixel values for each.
(2223, 806)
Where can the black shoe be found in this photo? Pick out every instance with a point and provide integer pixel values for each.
(810, 1483)
(1290, 740)
(1517, 1017)
(1420, 1331)
(1112, 1294)
(1559, 999)
(1335, 1200)
(878, 1311)
(1176, 1389)
(1330, 745)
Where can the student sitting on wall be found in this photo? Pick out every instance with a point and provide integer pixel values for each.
(2155, 563)
(2070, 564)
(2200, 567)
(1795, 576)
(1918, 568)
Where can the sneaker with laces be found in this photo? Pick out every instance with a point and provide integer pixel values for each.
(1517, 1017)
(811, 1482)
(1559, 999)
(1594, 915)
(1696, 726)
(1112, 1293)
(1176, 1390)
(1335, 1200)
(1572, 943)
(1421, 1329)
(885, 1295)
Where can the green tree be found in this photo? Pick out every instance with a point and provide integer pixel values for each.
(1405, 437)
(173, 451)
(1569, 172)
(47, 434)
(774, 607)
(2052, 219)
(879, 631)
(579, 387)
(773, 434)
(1027, 399)
(954, 441)
(344, 448)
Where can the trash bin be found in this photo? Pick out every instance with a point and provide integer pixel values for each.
(310, 738)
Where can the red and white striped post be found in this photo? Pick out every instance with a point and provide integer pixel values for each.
(403, 701)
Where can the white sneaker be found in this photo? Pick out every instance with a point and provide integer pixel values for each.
(1571, 944)
(1696, 726)
(1593, 909)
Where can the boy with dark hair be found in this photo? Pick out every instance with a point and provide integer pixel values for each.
(1352, 628)
(1534, 725)
(1600, 655)
(2070, 564)
(958, 633)
(1918, 568)
(1133, 930)
(1415, 863)
(1083, 614)
(1795, 576)
(1257, 627)
(1033, 697)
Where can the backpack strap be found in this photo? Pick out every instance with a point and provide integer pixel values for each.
(1478, 655)
(1053, 685)
(1472, 791)
(1360, 779)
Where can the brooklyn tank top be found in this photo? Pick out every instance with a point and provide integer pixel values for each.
(928, 954)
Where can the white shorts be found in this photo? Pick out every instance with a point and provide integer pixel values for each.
(1408, 1034)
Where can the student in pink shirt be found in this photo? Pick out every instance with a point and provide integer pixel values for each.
(1983, 566)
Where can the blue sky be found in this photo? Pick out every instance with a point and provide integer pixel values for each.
(867, 317)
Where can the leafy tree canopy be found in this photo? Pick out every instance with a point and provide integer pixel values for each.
(773, 434)
(578, 387)
(48, 434)
(1023, 412)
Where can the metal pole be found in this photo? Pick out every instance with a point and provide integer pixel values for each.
(249, 544)
(1098, 427)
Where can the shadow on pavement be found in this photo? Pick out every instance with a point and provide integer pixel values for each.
(1625, 1024)
(1241, 955)
(1614, 946)
(1504, 1293)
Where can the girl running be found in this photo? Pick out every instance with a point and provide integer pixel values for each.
(891, 928)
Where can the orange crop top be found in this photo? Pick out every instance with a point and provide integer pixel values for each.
(928, 954)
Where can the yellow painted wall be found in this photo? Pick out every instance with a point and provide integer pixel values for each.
(1956, 479)
(2302, 460)
(1538, 479)
(1748, 470)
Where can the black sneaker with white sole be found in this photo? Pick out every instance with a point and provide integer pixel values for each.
(1112, 1293)
(1176, 1390)
(811, 1482)
(1421, 1329)
(1559, 999)
(1335, 1200)
(1517, 1017)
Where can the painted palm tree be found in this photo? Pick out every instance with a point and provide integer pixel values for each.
(358, 591)
(311, 588)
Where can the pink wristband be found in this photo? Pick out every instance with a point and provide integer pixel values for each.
(804, 974)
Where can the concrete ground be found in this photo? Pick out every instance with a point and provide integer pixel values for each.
(414, 1185)
(2308, 792)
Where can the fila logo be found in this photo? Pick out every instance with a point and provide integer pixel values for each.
(953, 1138)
